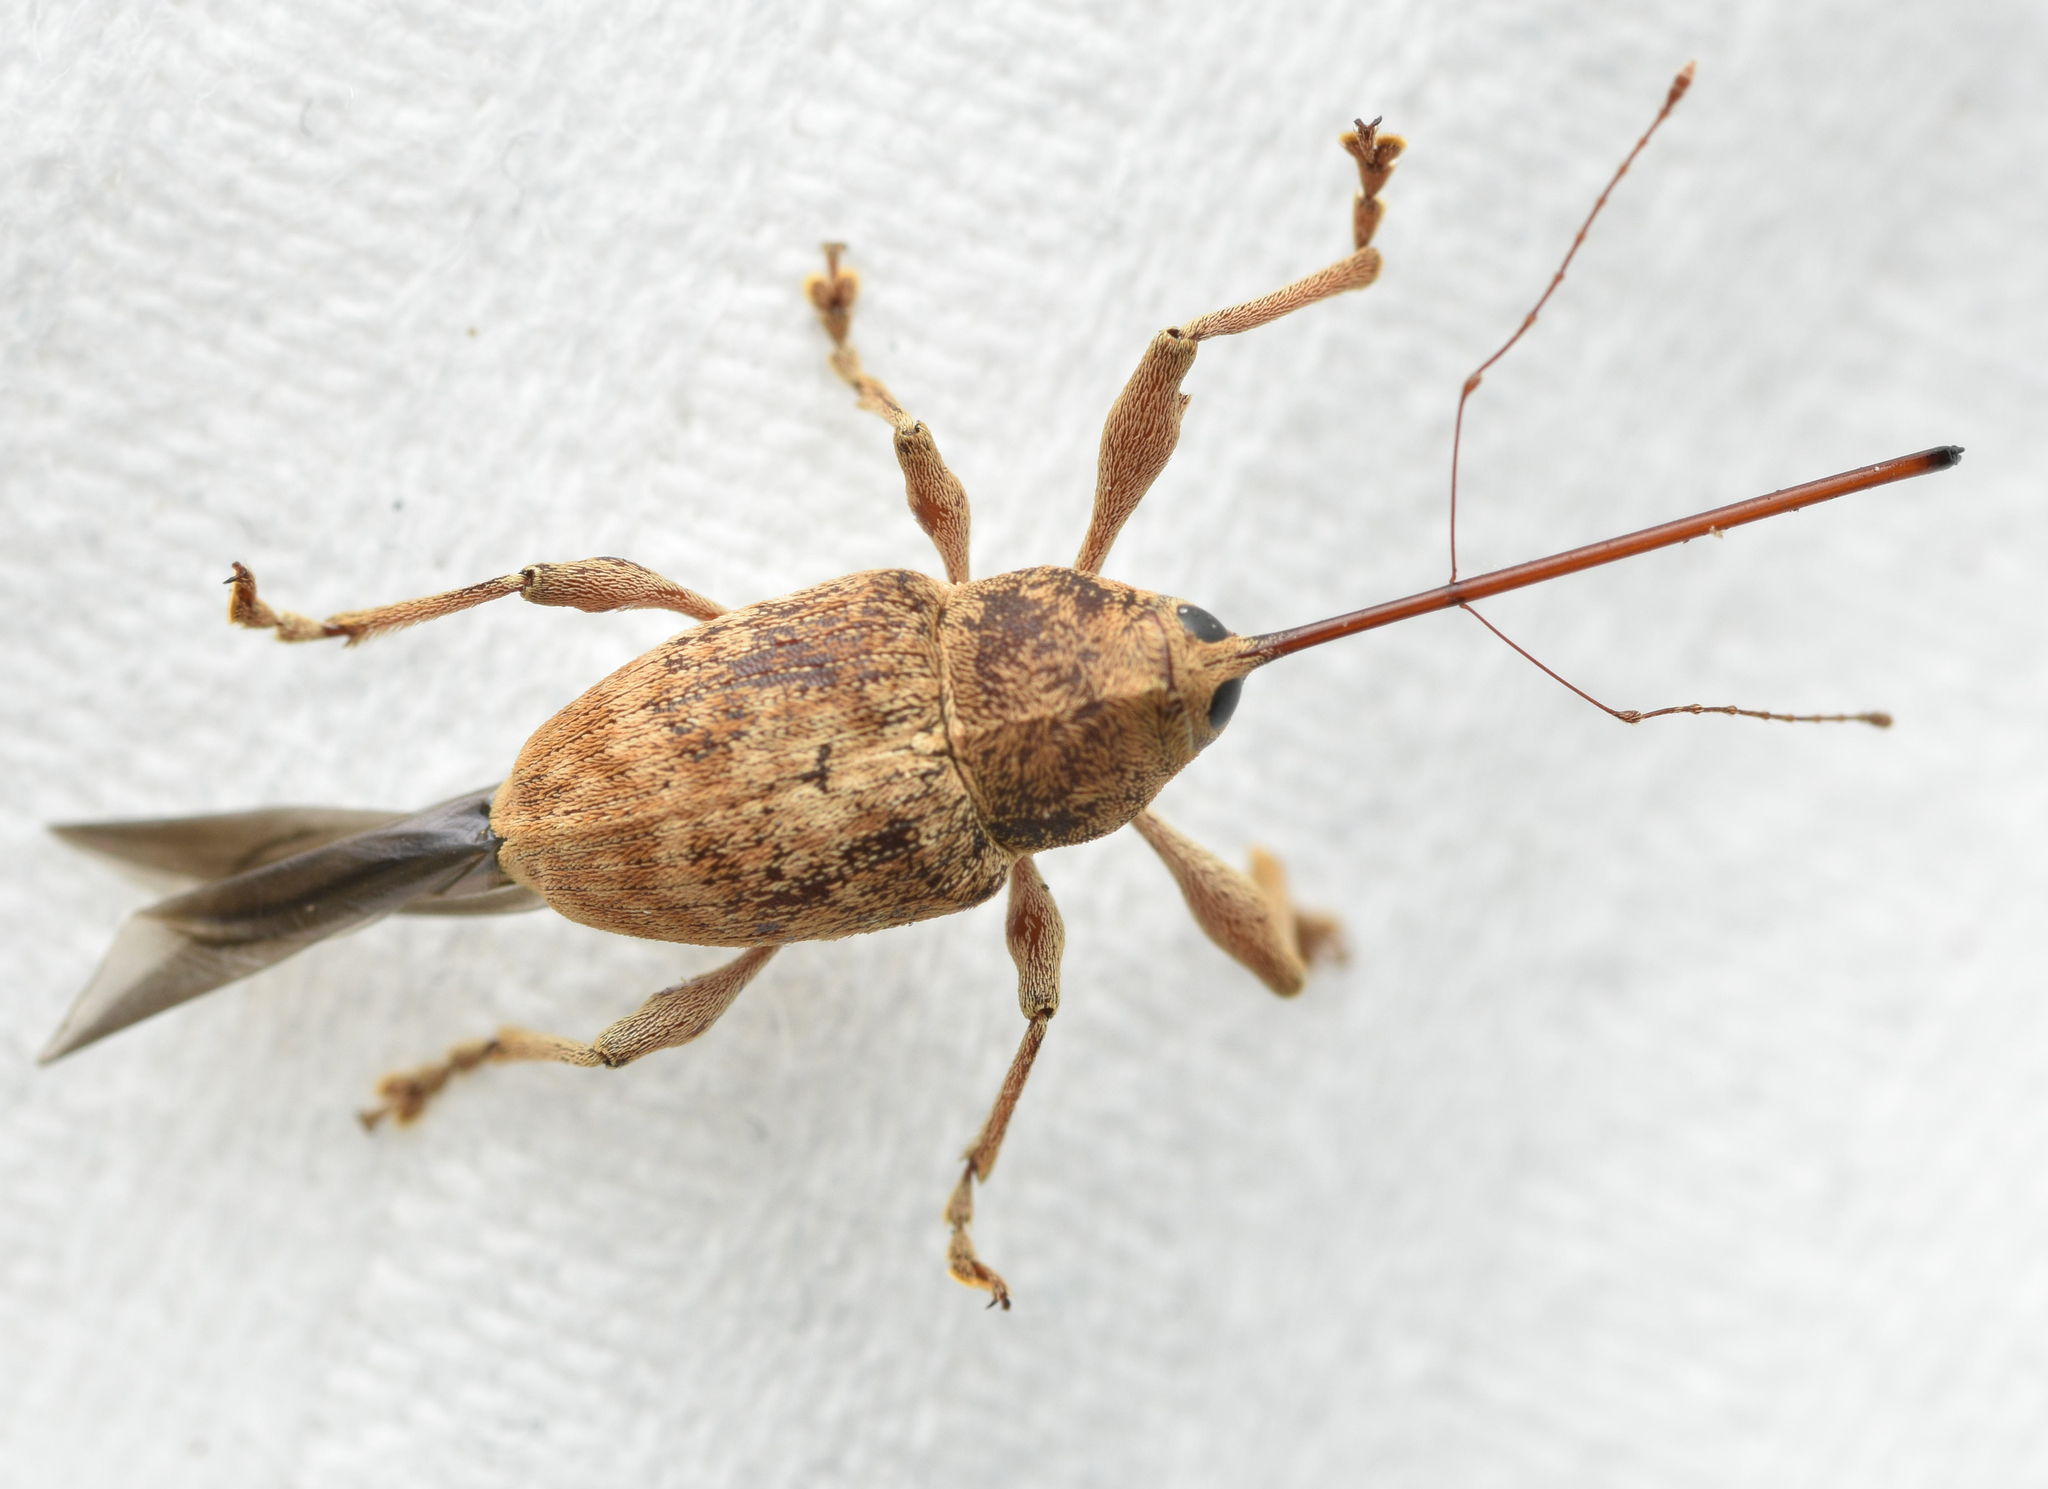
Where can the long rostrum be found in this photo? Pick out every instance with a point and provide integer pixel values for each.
(1280, 643)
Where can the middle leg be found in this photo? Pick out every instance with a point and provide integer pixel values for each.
(1037, 936)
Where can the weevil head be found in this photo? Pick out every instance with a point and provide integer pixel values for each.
(1072, 699)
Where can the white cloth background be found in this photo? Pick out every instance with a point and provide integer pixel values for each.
(1683, 1117)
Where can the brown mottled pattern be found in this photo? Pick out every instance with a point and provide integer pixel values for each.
(1061, 703)
(779, 774)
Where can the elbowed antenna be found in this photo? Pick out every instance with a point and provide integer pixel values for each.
(1259, 650)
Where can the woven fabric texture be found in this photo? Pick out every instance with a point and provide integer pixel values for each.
(1681, 1117)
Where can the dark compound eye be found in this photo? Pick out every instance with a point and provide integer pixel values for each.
(1203, 627)
(1224, 703)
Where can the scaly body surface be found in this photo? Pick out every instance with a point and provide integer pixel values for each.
(779, 774)
(865, 753)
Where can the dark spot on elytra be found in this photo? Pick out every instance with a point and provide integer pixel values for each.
(805, 892)
(818, 772)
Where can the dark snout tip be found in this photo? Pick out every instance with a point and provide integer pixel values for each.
(1943, 456)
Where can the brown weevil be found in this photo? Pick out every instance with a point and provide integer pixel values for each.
(870, 752)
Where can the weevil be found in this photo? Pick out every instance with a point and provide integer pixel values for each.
(867, 753)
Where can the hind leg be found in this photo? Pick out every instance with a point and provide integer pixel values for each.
(1248, 915)
(674, 1016)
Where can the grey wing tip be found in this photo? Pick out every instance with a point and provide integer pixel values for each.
(181, 851)
(62, 1043)
(77, 834)
(256, 916)
(150, 967)
(138, 950)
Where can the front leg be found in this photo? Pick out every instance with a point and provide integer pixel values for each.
(1144, 423)
(1249, 916)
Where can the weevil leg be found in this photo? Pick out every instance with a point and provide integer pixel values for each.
(588, 584)
(1037, 936)
(1144, 422)
(937, 499)
(674, 1016)
(1249, 916)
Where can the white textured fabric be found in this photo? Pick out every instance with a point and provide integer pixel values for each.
(1683, 1117)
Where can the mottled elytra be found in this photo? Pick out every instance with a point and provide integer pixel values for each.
(866, 753)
